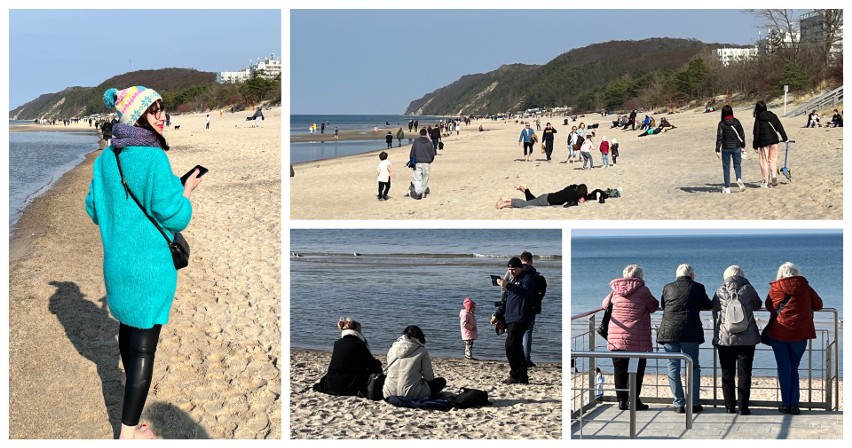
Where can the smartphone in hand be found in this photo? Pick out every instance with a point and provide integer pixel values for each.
(201, 171)
(494, 279)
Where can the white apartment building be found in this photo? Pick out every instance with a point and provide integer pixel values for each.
(728, 55)
(269, 68)
(814, 28)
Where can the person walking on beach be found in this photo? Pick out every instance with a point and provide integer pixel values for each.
(629, 329)
(385, 175)
(322, 128)
(410, 125)
(389, 139)
(467, 322)
(792, 301)
(681, 331)
(139, 272)
(400, 134)
(435, 136)
(572, 140)
(423, 154)
(528, 139)
(735, 336)
(336, 133)
(547, 138)
(517, 311)
(586, 151)
(351, 363)
(410, 372)
(207, 122)
(767, 126)
(730, 141)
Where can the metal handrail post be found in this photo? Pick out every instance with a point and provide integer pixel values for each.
(690, 379)
(592, 363)
(632, 393)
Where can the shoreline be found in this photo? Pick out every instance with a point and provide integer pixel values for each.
(217, 372)
(531, 411)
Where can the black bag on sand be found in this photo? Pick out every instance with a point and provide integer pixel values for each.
(375, 385)
(471, 398)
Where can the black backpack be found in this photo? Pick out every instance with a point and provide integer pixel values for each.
(540, 291)
(471, 398)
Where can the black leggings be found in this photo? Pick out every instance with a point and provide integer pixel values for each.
(137, 349)
(384, 187)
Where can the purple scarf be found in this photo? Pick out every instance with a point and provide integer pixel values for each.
(124, 135)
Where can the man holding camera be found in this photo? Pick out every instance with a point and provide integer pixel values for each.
(517, 310)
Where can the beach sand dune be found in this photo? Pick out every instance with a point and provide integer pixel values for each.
(531, 411)
(675, 175)
(217, 372)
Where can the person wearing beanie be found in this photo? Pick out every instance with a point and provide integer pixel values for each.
(517, 310)
(467, 321)
(139, 274)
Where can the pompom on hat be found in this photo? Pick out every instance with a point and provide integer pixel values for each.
(469, 303)
(131, 102)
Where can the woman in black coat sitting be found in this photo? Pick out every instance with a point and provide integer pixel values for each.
(351, 363)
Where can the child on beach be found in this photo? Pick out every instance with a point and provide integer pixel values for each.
(599, 383)
(614, 150)
(468, 326)
(385, 175)
(605, 152)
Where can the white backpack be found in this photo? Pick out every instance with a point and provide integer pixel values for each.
(735, 320)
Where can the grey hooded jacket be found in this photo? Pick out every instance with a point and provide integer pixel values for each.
(745, 293)
(410, 368)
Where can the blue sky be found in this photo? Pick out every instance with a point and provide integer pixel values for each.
(50, 50)
(378, 61)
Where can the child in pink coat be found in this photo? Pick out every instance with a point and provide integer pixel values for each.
(468, 326)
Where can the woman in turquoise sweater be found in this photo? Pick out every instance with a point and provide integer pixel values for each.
(139, 274)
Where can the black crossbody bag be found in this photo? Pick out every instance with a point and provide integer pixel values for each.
(178, 246)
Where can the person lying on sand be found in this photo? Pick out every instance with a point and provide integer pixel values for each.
(571, 195)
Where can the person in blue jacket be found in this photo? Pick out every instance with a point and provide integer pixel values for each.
(139, 274)
(517, 310)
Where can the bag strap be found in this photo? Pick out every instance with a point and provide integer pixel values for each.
(738, 134)
(385, 371)
(784, 302)
(609, 299)
(128, 192)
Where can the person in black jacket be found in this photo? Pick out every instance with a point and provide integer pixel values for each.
(351, 363)
(571, 195)
(547, 139)
(730, 141)
(766, 129)
(517, 311)
(681, 330)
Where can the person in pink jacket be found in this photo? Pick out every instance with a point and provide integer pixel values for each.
(468, 327)
(629, 328)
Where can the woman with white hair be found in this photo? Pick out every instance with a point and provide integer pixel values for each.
(629, 328)
(792, 300)
(735, 335)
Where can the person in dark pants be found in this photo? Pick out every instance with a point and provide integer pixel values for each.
(547, 139)
(517, 311)
(389, 139)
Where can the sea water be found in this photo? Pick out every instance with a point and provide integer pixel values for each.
(38, 159)
(595, 261)
(389, 279)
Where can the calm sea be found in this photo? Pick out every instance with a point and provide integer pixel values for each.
(416, 277)
(38, 159)
(595, 261)
(318, 150)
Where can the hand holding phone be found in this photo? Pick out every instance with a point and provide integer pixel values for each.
(201, 171)
(494, 279)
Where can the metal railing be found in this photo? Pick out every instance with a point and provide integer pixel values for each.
(819, 386)
(830, 99)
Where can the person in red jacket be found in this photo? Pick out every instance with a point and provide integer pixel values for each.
(793, 326)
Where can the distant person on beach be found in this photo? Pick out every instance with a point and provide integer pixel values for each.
(629, 329)
(837, 119)
(207, 122)
(410, 125)
(792, 300)
(168, 120)
(681, 331)
(614, 150)
(467, 322)
(666, 125)
(767, 126)
(813, 119)
(400, 134)
(599, 384)
(730, 142)
(537, 124)
(569, 196)
(435, 136)
(547, 139)
(423, 153)
(572, 140)
(458, 127)
(586, 151)
(517, 312)
(351, 363)
(322, 128)
(410, 371)
(139, 273)
(528, 139)
(336, 133)
(735, 336)
(385, 174)
(604, 149)
(389, 139)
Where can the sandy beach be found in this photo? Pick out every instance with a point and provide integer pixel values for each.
(531, 411)
(675, 175)
(217, 372)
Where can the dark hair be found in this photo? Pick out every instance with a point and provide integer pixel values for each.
(143, 123)
(727, 110)
(759, 107)
(383, 155)
(422, 131)
(414, 332)
(582, 190)
(526, 256)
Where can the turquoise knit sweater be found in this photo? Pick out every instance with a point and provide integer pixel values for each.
(139, 274)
